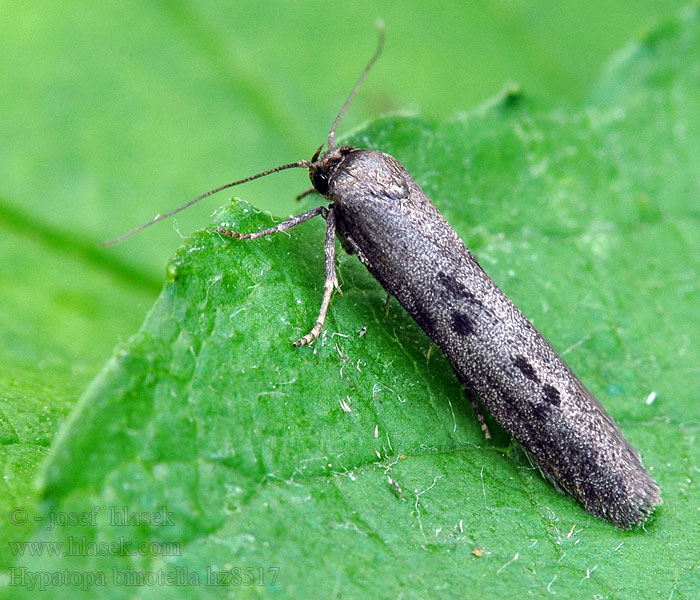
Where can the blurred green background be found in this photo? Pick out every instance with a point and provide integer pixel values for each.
(111, 112)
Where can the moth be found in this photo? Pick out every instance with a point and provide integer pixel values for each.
(381, 215)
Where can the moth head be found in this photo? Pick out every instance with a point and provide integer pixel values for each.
(322, 169)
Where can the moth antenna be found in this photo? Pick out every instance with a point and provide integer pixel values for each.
(370, 64)
(300, 163)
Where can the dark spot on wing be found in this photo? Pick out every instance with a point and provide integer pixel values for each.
(540, 411)
(462, 323)
(450, 283)
(551, 394)
(456, 289)
(526, 368)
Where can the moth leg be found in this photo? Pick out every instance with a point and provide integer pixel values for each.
(331, 278)
(477, 411)
(305, 193)
(430, 352)
(283, 226)
(387, 304)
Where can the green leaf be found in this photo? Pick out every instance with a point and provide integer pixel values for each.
(209, 419)
(63, 304)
